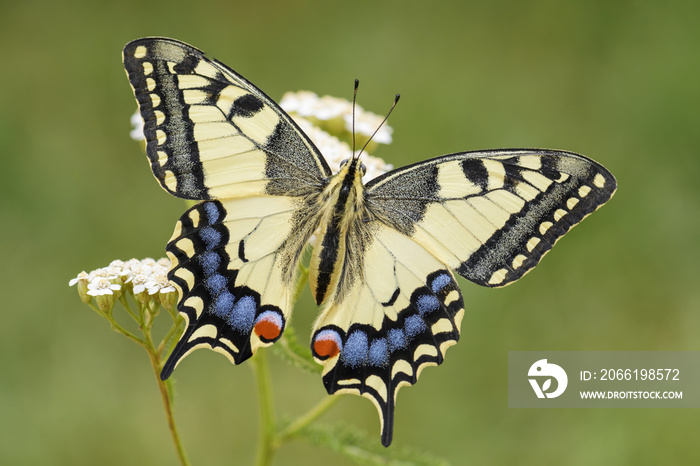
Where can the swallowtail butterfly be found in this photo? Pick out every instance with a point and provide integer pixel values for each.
(386, 252)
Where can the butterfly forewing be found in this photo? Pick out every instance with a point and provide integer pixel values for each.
(491, 215)
(209, 132)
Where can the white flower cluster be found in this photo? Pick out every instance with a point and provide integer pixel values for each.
(309, 105)
(145, 277)
(335, 151)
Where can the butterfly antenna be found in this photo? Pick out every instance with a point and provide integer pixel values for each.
(396, 99)
(354, 99)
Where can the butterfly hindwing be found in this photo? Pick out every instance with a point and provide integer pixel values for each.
(491, 215)
(234, 264)
(400, 316)
(209, 132)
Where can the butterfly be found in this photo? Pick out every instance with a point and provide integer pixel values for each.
(384, 262)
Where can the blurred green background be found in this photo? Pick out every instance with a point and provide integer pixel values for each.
(615, 80)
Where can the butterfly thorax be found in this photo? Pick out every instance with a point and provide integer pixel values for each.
(342, 219)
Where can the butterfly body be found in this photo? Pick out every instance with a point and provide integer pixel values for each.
(343, 219)
(385, 251)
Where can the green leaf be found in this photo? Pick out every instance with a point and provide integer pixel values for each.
(355, 445)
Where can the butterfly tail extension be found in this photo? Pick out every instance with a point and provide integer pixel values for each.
(183, 347)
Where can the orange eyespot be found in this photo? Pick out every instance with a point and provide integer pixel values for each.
(326, 348)
(267, 330)
(327, 344)
(268, 326)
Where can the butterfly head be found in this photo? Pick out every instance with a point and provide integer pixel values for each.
(350, 178)
(362, 167)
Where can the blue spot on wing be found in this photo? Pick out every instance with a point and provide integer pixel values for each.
(440, 282)
(355, 349)
(212, 212)
(379, 352)
(397, 339)
(210, 237)
(222, 304)
(210, 262)
(215, 284)
(243, 314)
(427, 304)
(414, 325)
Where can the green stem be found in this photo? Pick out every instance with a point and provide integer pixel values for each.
(127, 307)
(154, 356)
(292, 429)
(266, 449)
(144, 319)
(285, 345)
(116, 327)
(167, 337)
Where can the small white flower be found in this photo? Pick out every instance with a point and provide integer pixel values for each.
(145, 275)
(160, 284)
(149, 276)
(309, 105)
(129, 268)
(335, 151)
(102, 286)
(105, 272)
(139, 283)
(137, 123)
(81, 276)
(366, 123)
(168, 289)
(148, 262)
